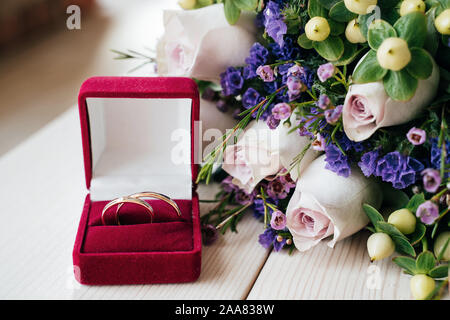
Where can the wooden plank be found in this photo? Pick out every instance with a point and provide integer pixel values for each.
(344, 272)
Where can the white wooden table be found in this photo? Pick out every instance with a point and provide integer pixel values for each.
(42, 192)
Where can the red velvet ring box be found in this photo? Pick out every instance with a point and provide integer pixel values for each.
(138, 136)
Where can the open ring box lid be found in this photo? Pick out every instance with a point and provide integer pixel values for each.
(137, 136)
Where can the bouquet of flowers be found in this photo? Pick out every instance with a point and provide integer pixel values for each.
(342, 110)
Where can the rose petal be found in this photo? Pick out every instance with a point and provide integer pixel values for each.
(386, 111)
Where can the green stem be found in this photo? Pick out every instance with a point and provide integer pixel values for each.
(424, 244)
(220, 225)
(312, 95)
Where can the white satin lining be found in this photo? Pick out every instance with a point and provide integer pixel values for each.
(140, 145)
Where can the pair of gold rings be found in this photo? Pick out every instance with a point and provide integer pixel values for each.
(137, 199)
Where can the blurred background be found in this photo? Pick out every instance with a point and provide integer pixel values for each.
(45, 57)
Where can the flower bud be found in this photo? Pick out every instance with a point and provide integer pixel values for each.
(442, 22)
(409, 6)
(359, 6)
(380, 246)
(317, 29)
(421, 286)
(440, 243)
(393, 54)
(187, 4)
(403, 220)
(353, 32)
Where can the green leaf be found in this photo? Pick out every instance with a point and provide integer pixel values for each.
(379, 30)
(232, 12)
(328, 3)
(390, 15)
(439, 272)
(400, 85)
(432, 3)
(387, 3)
(351, 52)
(332, 48)
(393, 198)
(444, 3)
(418, 234)
(444, 248)
(412, 27)
(373, 214)
(304, 42)
(432, 39)
(401, 242)
(363, 20)
(339, 12)
(315, 9)
(369, 70)
(425, 262)
(336, 28)
(421, 65)
(246, 5)
(415, 202)
(407, 263)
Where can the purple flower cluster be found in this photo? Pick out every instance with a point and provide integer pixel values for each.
(257, 57)
(394, 167)
(347, 144)
(436, 153)
(289, 51)
(431, 179)
(251, 98)
(265, 73)
(244, 198)
(272, 122)
(323, 102)
(309, 121)
(231, 81)
(294, 81)
(240, 196)
(228, 185)
(273, 22)
(326, 71)
(337, 161)
(258, 207)
(333, 115)
(281, 111)
(368, 163)
(278, 220)
(270, 237)
(280, 187)
(400, 170)
(428, 212)
(416, 136)
(209, 234)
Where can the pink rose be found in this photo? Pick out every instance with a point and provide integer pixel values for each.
(201, 43)
(367, 106)
(261, 152)
(325, 204)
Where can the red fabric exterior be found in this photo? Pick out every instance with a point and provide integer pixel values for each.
(168, 250)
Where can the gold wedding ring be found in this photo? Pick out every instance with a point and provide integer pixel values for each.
(155, 195)
(122, 200)
(136, 199)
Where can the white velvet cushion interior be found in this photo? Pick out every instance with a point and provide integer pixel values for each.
(140, 145)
